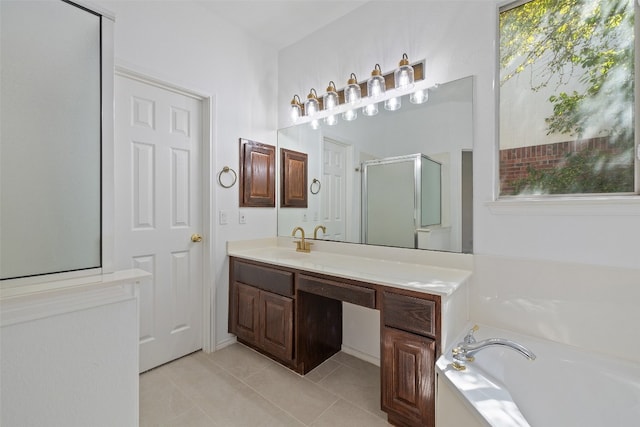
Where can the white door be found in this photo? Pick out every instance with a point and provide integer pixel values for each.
(334, 191)
(158, 192)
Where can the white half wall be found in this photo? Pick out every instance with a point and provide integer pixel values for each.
(72, 368)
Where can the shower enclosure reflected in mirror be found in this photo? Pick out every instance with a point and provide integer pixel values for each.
(440, 130)
(401, 200)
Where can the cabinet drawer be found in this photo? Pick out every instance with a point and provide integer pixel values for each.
(409, 314)
(272, 280)
(358, 295)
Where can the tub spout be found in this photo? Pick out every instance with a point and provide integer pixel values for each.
(465, 351)
(473, 348)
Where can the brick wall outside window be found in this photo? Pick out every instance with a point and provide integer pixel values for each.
(514, 161)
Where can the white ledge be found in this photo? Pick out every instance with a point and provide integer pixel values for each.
(77, 283)
(23, 303)
(562, 205)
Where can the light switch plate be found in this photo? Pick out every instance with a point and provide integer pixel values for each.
(223, 217)
(242, 219)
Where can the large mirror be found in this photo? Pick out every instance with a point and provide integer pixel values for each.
(400, 178)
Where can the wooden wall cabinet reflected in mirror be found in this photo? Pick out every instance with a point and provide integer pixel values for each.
(293, 180)
(257, 174)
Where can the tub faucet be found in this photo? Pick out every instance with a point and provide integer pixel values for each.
(464, 352)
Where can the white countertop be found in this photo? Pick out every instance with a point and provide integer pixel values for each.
(378, 270)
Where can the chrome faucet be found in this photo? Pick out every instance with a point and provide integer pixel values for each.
(319, 227)
(301, 245)
(464, 352)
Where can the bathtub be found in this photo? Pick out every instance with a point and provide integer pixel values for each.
(563, 387)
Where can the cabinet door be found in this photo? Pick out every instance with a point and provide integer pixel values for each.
(247, 320)
(408, 390)
(276, 325)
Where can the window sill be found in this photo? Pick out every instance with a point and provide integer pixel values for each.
(578, 206)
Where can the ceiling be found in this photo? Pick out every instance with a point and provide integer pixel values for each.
(281, 23)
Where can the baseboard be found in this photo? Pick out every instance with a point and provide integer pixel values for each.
(360, 355)
(225, 343)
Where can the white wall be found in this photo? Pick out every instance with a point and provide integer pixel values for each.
(457, 39)
(184, 44)
(70, 366)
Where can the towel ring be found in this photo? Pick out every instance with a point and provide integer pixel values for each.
(227, 169)
(311, 188)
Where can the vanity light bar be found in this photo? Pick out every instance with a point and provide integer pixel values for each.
(389, 80)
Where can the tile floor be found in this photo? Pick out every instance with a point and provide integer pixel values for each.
(237, 386)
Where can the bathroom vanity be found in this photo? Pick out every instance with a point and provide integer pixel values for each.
(288, 306)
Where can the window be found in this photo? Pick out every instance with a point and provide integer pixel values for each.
(567, 85)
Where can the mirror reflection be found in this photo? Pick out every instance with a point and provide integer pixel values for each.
(400, 178)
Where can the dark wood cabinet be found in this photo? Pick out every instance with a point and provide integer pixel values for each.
(257, 174)
(409, 333)
(276, 325)
(293, 180)
(246, 313)
(408, 378)
(295, 317)
(259, 314)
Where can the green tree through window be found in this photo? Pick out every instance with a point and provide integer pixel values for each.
(566, 70)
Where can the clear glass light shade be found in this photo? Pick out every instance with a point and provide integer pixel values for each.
(295, 110)
(352, 92)
(419, 97)
(403, 76)
(311, 105)
(370, 110)
(349, 115)
(330, 99)
(375, 84)
(392, 104)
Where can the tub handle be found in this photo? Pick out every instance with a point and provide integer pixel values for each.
(469, 338)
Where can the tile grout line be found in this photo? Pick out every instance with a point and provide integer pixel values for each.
(243, 381)
(318, 383)
(174, 384)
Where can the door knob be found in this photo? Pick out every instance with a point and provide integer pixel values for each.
(195, 238)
